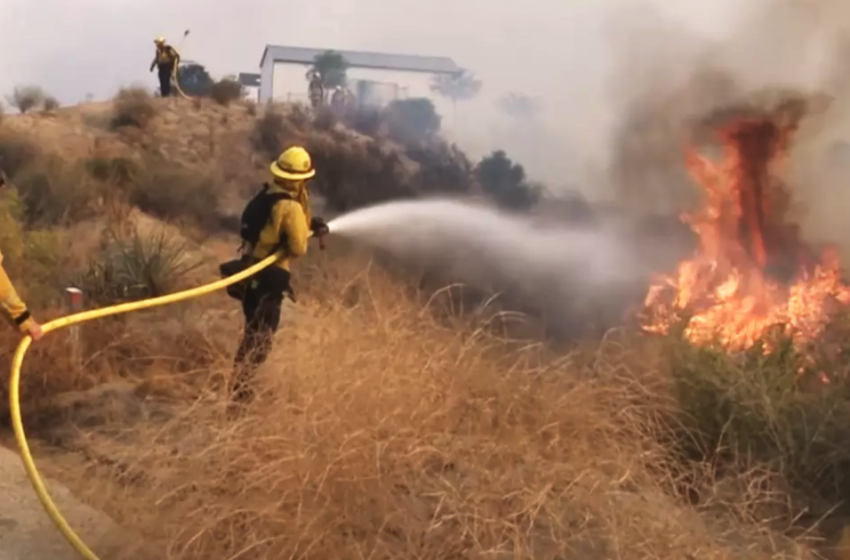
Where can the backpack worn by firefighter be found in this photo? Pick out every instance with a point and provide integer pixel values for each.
(255, 217)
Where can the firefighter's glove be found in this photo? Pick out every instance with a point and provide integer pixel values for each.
(319, 227)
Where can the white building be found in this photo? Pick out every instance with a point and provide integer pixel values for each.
(374, 78)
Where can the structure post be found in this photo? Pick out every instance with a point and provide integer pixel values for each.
(75, 305)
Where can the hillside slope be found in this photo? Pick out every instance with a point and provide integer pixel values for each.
(387, 427)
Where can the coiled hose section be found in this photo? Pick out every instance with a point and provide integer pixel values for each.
(62, 322)
(176, 83)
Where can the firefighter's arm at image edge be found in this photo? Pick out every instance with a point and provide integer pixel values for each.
(13, 307)
(291, 222)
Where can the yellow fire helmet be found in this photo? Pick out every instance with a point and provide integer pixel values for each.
(159, 41)
(294, 164)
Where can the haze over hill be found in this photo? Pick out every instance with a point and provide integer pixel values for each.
(562, 55)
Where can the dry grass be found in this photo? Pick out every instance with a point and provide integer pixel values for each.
(382, 433)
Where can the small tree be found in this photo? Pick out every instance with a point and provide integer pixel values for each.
(24, 98)
(461, 86)
(411, 121)
(505, 182)
(194, 80)
(332, 67)
(519, 106)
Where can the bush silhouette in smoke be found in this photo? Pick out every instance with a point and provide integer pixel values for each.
(412, 121)
(505, 182)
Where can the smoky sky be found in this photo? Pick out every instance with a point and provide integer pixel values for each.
(565, 55)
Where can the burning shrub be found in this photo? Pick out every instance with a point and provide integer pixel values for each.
(752, 271)
(760, 374)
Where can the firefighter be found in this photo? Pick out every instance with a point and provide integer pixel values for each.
(316, 90)
(13, 308)
(166, 59)
(276, 219)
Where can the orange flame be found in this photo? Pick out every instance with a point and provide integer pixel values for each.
(751, 271)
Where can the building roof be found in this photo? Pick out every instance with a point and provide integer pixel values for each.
(406, 62)
(248, 79)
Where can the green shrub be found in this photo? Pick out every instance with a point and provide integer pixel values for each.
(55, 192)
(117, 170)
(133, 107)
(171, 192)
(751, 410)
(135, 266)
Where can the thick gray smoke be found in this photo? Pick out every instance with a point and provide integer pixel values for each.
(665, 79)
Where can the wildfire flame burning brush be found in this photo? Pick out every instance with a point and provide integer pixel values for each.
(751, 272)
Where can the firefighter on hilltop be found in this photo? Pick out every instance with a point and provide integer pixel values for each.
(166, 60)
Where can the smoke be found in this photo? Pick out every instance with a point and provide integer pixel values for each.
(564, 271)
(666, 80)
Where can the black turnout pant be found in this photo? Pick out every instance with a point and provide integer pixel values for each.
(262, 319)
(165, 73)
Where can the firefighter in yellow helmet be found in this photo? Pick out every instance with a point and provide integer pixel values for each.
(13, 308)
(278, 218)
(166, 59)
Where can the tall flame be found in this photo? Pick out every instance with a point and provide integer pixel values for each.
(751, 271)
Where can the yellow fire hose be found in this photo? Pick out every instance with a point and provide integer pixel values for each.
(176, 83)
(60, 323)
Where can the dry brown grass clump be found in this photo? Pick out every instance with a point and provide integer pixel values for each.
(50, 104)
(226, 91)
(133, 107)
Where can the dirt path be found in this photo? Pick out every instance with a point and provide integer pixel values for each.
(26, 532)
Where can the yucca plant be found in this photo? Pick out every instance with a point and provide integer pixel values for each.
(134, 266)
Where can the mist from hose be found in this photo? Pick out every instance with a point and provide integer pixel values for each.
(480, 243)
